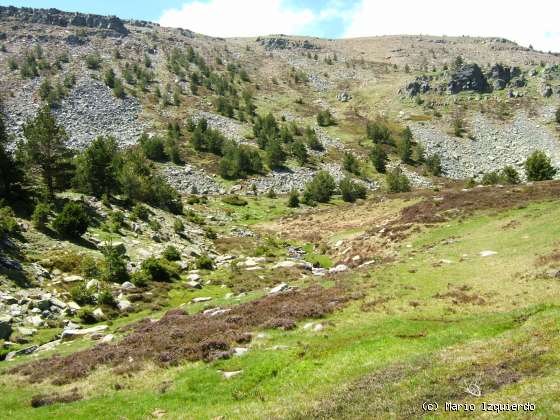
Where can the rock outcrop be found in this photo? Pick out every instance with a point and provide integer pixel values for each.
(468, 78)
(59, 18)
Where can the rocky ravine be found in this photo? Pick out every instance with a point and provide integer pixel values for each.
(492, 146)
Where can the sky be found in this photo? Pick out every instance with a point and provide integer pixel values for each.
(528, 23)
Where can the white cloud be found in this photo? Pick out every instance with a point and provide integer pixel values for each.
(528, 23)
(230, 18)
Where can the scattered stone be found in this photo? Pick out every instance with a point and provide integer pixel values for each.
(72, 279)
(13, 354)
(124, 305)
(201, 299)
(279, 288)
(338, 269)
(71, 334)
(487, 253)
(228, 375)
(128, 286)
(99, 315)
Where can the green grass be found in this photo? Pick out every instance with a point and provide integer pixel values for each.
(387, 339)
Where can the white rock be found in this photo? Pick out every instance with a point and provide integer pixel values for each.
(277, 289)
(228, 375)
(285, 264)
(128, 286)
(108, 338)
(487, 253)
(98, 314)
(124, 305)
(308, 326)
(240, 351)
(68, 335)
(73, 305)
(201, 299)
(318, 327)
(92, 284)
(72, 279)
(339, 268)
(193, 277)
(35, 320)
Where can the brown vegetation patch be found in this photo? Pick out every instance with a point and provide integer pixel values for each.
(177, 336)
(42, 400)
(454, 203)
(552, 258)
(461, 297)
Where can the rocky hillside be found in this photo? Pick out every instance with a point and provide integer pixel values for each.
(506, 93)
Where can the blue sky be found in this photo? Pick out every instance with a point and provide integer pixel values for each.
(527, 25)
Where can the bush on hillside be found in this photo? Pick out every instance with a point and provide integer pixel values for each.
(73, 221)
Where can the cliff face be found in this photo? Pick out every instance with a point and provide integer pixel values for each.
(60, 18)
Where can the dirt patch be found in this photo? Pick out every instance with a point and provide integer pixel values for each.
(451, 204)
(551, 259)
(178, 337)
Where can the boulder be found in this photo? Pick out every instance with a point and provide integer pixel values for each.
(124, 305)
(71, 334)
(279, 288)
(5, 327)
(338, 269)
(546, 91)
(13, 354)
(99, 315)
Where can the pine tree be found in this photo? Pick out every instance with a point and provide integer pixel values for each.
(45, 146)
(97, 168)
(378, 158)
(405, 145)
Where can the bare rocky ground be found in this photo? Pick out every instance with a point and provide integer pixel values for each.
(491, 145)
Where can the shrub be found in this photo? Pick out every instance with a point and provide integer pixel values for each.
(378, 158)
(178, 226)
(293, 199)
(271, 193)
(82, 295)
(397, 181)
(41, 215)
(378, 132)
(8, 223)
(114, 265)
(118, 89)
(140, 278)
(234, 200)
(350, 163)
(155, 225)
(210, 234)
(86, 315)
(510, 175)
(204, 262)
(538, 167)
(93, 61)
(110, 78)
(156, 270)
(141, 212)
(171, 253)
(73, 221)
(325, 118)
(351, 190)
(433, 164)
(105, 297)
(491, 178)
(153, 148)
(319, 189)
